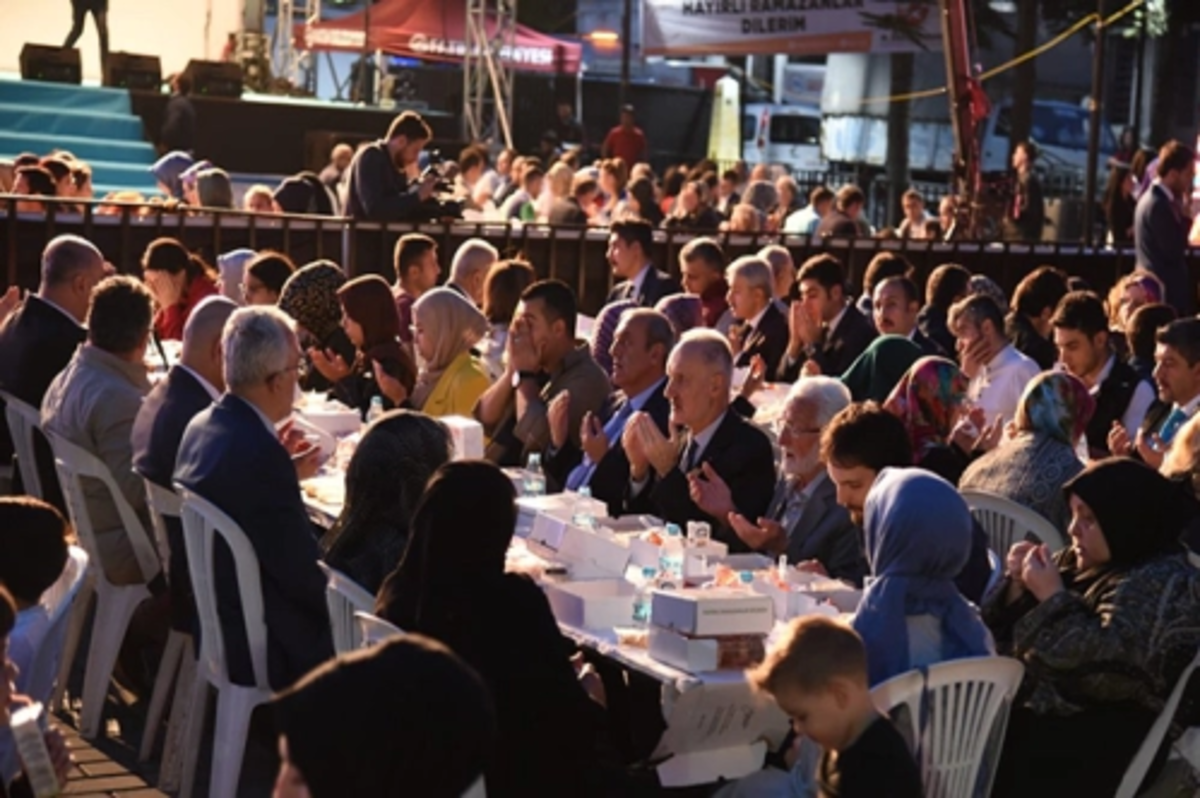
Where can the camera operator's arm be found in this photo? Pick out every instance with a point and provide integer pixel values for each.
(381, 189)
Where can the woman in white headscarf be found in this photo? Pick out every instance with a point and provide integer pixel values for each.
(450, 379)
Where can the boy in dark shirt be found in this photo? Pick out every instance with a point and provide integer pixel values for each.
(818, 676)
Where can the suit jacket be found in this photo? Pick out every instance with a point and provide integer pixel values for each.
(37, 341)
(741, 455)
(229, 457)
(611, 476)
(769, 339)
(824, 532)
(157, 432)
(566, 211)
(1160, 234)
(929, 347)
(655, 286)
(837, 351)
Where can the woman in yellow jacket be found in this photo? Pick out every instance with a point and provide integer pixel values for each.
(445, 327)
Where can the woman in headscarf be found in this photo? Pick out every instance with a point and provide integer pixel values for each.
(928, 399)
(876, 371)
(408, 718)
(918, 537)
(1031, 467)
(232, 269)
(384, 482)
(214, 189)
(1104, 628)
(684, 311)
(310, 297)
(445, 327)
(605, 328)
(179, 281)
(452, 586)
(168, 170)
(381, 366)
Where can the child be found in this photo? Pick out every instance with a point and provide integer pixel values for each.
(818, 676)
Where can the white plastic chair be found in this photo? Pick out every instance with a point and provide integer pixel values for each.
(373, 630)
(996, 563)
(59, 601)
(1141, 762)
(176, 668)
(956, 712)
(115, 604)
(203, 523)
(23, 419)
(344, 597)
(1007, 522)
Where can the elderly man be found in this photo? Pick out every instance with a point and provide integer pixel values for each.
(543, 360)
(762, 330)
(702, 263)
(783, 273)
(640, 347)
(232, 456)
(469, 268)
(721, 465)
(998, 372)
(630, 246)
(93, 404)
(41, 335)
(805, 520)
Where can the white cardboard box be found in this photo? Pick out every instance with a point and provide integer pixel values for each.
(708, 612)
(467, 434)
(689, 654)
(591, 554)
(601, 604)
(646, 553)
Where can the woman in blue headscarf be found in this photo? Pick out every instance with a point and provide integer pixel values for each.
(918, 537)
(168, 171)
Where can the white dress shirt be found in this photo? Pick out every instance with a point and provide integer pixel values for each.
(998, 386)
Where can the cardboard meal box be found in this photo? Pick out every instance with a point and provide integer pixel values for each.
(705, 654)
(467, 434)
(601, 604)
(592, 554)
(549, 516)
(719, 611)
(645, 553)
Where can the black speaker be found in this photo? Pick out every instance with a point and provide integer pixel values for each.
(54, 64)
(215, 78)
(133, 71)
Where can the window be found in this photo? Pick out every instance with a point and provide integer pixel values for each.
(788, 129)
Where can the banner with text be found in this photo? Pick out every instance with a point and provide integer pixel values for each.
(788, 27)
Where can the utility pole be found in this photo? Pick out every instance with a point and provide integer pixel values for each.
(626, 48)
(963, 94)
(1097, 103)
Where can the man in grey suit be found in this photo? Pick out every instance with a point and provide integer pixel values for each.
(1160, 226)
(805, 520)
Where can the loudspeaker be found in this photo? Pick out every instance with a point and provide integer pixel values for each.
(215, 78)
(133, 71)
(55, 64)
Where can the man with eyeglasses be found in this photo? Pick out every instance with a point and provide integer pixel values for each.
(235, 455)
(804, 519)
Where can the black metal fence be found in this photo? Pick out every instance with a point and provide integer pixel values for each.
(572, 254)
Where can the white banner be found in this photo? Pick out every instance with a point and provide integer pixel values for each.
(788, 27)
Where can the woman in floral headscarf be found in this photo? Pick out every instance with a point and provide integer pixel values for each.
(929, 399)
(1031, 467)
(310, 296)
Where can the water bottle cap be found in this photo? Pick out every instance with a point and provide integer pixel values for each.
(746, 576)
(377, 400)
(674, 530)
(585, 492)
(649, 571)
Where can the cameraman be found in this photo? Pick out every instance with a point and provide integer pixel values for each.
(383, 182)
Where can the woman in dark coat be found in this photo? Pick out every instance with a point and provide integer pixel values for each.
(1104, 627)
(451, 586)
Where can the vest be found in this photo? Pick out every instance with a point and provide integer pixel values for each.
(1111, 402)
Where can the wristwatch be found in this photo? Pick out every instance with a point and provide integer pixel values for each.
(520, 376)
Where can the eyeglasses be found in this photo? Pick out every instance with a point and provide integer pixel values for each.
(793, 430)
(296, 368)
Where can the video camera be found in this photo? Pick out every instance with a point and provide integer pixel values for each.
(442, 204)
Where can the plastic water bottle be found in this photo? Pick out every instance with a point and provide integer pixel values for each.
(535, 481)
(643, 599)
(670, 557)
(375, 410)
(582, 515)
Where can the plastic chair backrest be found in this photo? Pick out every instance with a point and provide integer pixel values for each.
(344, 596)
(163, 503)
(996, 563)
(73, 464)
(23, 419)
(58, 600)
(1140, 764)
(1007, 522)
(373, 630)
(957, 712)
(203, 523)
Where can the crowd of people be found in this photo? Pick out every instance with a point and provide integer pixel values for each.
(1080, 407)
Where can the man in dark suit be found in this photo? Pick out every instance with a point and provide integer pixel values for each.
(232, 456)
(640, 347)
(1026, 219)
(630, 243)
(823, 327)
(40, 337)
(896, 306)
(722, 464)
(191, 385)
(805, 520)
(1160, 227)
(570, 210)
(845, 220)
(761, 330)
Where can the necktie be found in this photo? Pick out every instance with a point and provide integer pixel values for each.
(1172, 424)
(582, 474)
(691, 454)
(790, 504)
